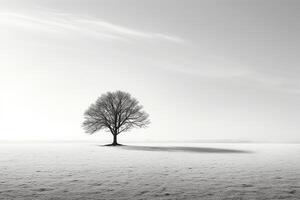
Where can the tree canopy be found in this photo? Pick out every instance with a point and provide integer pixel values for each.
(115, 112)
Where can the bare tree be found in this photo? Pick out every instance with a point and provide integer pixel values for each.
(115, 112)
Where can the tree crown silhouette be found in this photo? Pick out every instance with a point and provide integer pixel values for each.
(115, 112)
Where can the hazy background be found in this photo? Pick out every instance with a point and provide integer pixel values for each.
(202, 69)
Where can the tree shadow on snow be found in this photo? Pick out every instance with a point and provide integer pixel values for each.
(182, 149)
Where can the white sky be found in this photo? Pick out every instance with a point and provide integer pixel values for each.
(202, 69)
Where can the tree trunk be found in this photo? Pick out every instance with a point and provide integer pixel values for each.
(115, 143)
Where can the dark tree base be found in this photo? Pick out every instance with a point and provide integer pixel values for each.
(114, 144)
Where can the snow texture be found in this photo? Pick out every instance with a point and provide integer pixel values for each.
(63, 171)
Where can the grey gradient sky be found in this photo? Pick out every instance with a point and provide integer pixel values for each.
(214, 69)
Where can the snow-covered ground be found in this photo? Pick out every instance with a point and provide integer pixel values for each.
(166, 171)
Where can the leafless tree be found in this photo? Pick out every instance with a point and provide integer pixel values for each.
(115, 112)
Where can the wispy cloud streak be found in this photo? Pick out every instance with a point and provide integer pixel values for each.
(218, 68)
(84, 24)
(121, 30)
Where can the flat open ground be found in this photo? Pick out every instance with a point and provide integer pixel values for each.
(149, 171)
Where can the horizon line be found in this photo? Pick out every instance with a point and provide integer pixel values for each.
(152, 141)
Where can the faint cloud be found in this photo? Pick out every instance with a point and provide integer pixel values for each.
(214, 67)
(279, 81)
(128, 32)
(207, 66)
(53, 21)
